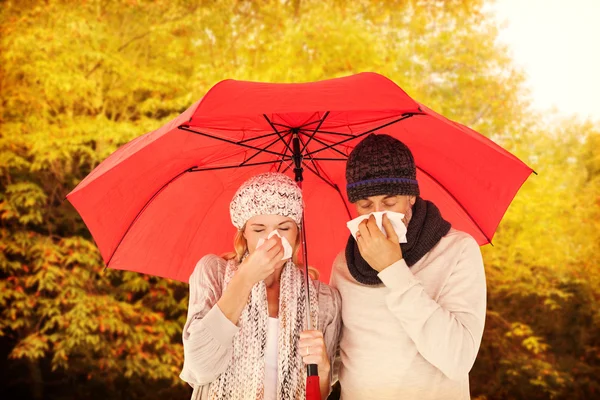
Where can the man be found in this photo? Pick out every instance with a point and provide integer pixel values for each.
(413, 314)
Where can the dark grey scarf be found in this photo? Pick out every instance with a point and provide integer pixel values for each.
(425, 230)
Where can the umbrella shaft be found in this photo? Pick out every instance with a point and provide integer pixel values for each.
(305, 261)
(312, 384)
(297, 157)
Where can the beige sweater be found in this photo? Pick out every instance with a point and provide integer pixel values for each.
(208, 334)
(417, 335)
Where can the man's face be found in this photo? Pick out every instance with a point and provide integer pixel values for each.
(396, 203)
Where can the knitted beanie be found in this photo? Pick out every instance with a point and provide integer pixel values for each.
(380, 165)
(271, 193)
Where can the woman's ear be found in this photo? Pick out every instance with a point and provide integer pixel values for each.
(298, 243)
(412, 200)
(313, 273)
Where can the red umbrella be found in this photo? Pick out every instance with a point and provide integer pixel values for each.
(159, 203)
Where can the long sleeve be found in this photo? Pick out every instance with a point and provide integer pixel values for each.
(207, 334)
(330, 304)
(446, 332)
(330, 322)
(334, 354)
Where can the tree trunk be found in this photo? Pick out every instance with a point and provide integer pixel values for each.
(37, 381)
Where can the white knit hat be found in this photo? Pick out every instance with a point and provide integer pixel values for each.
(271, 193)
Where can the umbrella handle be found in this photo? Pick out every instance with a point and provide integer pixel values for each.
(313, 387)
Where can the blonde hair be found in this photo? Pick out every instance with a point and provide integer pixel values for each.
(240, 247)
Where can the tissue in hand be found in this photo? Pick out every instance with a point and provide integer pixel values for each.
(394, 217)
(287, 247)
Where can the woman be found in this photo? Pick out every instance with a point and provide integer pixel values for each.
(244, 337)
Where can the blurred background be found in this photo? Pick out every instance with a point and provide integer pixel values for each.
(80, 78)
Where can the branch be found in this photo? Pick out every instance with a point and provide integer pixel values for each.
(141, 36)
(484, 110)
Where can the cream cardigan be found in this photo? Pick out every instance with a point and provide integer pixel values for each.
(208, 334)
(417, 335)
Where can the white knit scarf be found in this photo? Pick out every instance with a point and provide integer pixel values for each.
(245, 375)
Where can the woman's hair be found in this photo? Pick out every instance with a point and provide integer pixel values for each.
(240, 247)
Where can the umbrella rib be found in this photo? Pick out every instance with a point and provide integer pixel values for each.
(188, 129)
(333, 148)
(404, 116)
(329, 159)
(196, 169)
(319, 169)
(288, 166)
(297, 127)
(319, 175)
(277, 132)
(281, 125)
(264, 148)
(317, 166)
(332, 133)
(257, 137)
(144, 209)
(315, 131)
(284, 153)
(312, 161)
(334, 186)
(310, 123)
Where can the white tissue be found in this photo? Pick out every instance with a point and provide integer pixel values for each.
(287, 247)
(394, 217)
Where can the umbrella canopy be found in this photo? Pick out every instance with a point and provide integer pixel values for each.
(160, 202)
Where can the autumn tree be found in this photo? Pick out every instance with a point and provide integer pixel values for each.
(79, 79)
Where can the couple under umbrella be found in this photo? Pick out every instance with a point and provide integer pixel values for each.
(279, 169)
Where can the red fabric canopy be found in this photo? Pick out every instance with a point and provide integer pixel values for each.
(161, 202)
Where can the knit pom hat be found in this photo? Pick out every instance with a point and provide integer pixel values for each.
(380, 165)
(265, 194)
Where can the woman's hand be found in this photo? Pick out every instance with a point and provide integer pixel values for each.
(256, 267)
(378, 251)
(262, 262)
(313, 351)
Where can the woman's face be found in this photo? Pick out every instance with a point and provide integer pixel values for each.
(396, 203)
(261, 226)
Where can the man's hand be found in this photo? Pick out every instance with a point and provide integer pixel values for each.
(377, 250)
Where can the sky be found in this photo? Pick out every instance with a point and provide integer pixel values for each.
(557, 43)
